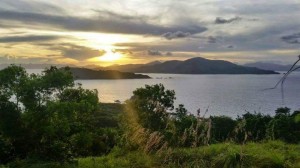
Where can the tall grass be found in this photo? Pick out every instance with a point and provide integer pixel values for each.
(135, 136)
(118, 159)
(270, 154)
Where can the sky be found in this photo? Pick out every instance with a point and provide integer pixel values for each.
(106, 32)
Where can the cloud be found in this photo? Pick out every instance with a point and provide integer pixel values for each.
(292, 39)
(117, 16)
(29, 5)
(220, 20)
(230, 47)
(123, 51)
(28, 38)
(257, 26)
(175, 35)
(77, 52)
(11, 59)
(95, 24)
(154, 53)
(169, 54)
(211, 39)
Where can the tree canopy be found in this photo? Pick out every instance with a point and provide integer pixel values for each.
(43, 115)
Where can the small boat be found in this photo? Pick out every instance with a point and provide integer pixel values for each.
(118, 101)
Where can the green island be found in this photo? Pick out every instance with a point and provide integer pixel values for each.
(85, 73)
(48, 121)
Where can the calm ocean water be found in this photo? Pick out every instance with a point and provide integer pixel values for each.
(229, 95)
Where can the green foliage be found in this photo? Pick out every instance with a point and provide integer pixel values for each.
(146, 118)
(107, 115)
(282, 111)
(152, 104)
(150, 125)
(40, 164)
(254, 127)
(188, 130)
(297, 118)
(118, 158)
(270, 154)
(44, 117)
(5, 149)
(284, 126)
(181, 127)
(12, 79)
(222, 128)
(94, 143)
(227, 155)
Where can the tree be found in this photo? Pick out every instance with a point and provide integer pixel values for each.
(12, 79)
(151, 124)
(40, 113)
(153, 104)
(284, 127)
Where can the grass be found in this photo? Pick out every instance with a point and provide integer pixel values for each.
(135, 159)
(272, 154)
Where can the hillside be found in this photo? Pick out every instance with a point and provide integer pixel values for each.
(37, 66)
(84, 73)
(269, 66)
(195, 65)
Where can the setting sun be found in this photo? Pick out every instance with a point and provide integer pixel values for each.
(110, 57)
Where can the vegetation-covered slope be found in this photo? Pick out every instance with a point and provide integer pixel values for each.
(195, 65)
(84, 73)
(47, 121)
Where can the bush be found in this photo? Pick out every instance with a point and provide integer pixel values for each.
(284, 127)
(45, 117)
(222, 128)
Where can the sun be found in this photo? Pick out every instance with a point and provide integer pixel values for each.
(110, 56)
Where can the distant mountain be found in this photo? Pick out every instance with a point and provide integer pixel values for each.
(36, 66)
(84, 73)
(129, 67)
(269, 66)
(196, 65)
(154, 63)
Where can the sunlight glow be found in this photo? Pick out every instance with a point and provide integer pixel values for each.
(110, 57)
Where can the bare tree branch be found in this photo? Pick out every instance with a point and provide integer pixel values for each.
(282, 80)
(286, 74)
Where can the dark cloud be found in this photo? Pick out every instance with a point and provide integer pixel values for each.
(169, 54)
(77, 52)
(117, 16)
(211, 40)
(292, 39)
(123, 51)
(99, 24)
(81, 53)
(178, 34)
(220, 20)
(154, 53)
(29, 5)
(28, 38)
(191, 46)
